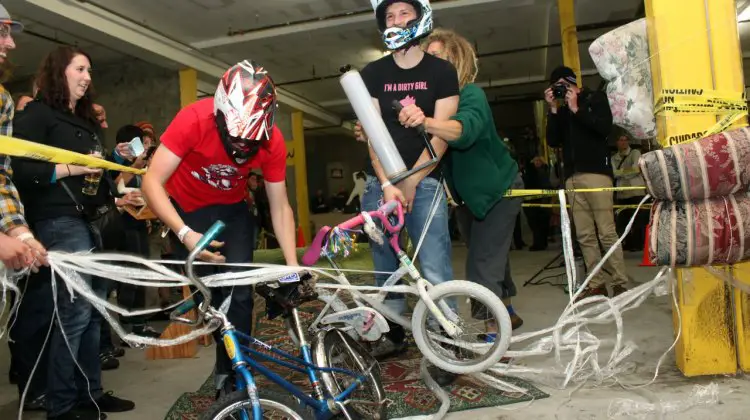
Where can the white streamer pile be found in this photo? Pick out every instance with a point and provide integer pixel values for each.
(568, 335)
(630, 409)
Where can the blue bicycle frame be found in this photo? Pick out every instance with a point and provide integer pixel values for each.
(245, 360)
(323, 404)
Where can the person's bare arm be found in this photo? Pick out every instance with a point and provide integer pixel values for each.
(448, 130)
(444, 109)
(282, 219)
(164, 164)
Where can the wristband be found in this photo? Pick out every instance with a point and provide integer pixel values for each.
(25, 236)
(385, 185)
(183, 233)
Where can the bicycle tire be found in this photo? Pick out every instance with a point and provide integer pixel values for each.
(322, 359)
(484, 296)
(238, 399)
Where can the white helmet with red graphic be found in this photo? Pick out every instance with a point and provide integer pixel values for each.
(244, 106)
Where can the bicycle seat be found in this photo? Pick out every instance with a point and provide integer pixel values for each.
(312, 255)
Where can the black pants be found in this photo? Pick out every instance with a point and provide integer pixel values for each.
(538, 218)
(30, 326)
(238, 248)
(635, 239)
(131, 296)
(489, 242)
(111, 238)
(518, 233)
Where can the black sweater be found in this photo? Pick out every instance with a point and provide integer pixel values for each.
(43, 198)
(583, 135)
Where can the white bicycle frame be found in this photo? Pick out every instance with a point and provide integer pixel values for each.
(360, 324)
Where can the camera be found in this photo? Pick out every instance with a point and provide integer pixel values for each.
(559, 90)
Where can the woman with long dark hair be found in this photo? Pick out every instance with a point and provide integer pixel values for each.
(62, 201)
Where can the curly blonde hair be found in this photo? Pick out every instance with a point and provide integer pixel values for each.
(459, 52)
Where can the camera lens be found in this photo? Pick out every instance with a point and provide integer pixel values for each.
(559, 90)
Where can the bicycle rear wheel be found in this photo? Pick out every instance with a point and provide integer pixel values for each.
(331, 349)
(472, 351)
(275, 406)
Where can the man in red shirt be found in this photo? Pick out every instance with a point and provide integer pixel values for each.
(198, 175)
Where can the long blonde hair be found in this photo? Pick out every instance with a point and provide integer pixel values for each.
(459, 52)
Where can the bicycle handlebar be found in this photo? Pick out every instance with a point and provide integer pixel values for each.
(382, 213)
(202, 244)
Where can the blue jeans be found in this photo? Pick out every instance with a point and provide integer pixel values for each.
(435, 254)
(65, 384)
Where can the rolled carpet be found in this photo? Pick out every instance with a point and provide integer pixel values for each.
(704, 232)
(714, 166)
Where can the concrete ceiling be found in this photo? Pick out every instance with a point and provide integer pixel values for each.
(302, 40)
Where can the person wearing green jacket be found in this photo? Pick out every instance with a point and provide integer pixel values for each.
(479, 171)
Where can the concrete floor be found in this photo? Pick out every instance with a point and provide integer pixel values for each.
(155, 385)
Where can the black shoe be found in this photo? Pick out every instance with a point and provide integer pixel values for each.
(535, 248)
(593, 291)
(442, 377)
(108, 361)
(516, 322)
(386, 347)
(146, 331)
(116, 352)
(37, 404)
(108, 403)
(618, 290)
(79, 414)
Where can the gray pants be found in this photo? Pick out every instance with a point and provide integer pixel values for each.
(489, 243)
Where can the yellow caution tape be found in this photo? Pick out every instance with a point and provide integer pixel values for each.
(525, 193)
(616, 206)
(671, 102)
(27, 149)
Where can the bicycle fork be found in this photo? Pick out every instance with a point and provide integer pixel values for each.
(449, 326)
(239, 365)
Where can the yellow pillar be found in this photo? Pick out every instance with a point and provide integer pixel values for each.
(694, 44)
(741, 302)
(300, 173)
(188, 87)
(571, 57)
(540, 120)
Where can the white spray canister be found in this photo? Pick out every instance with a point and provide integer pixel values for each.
(372, 122)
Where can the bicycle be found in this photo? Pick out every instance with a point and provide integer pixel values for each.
(331, 399)
(435, 337)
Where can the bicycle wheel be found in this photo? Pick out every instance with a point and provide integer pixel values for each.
(448, 353)
(275, 407)
(332, 350)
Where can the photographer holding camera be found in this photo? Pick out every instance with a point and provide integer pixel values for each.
(579, 122)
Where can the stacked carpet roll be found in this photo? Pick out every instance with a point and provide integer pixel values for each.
(702, 211)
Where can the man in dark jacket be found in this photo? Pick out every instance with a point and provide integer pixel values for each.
(580, 121)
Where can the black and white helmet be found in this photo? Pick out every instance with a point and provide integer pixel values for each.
(398, 38)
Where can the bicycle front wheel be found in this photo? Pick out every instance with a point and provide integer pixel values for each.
(478, 313)
(275, 406)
